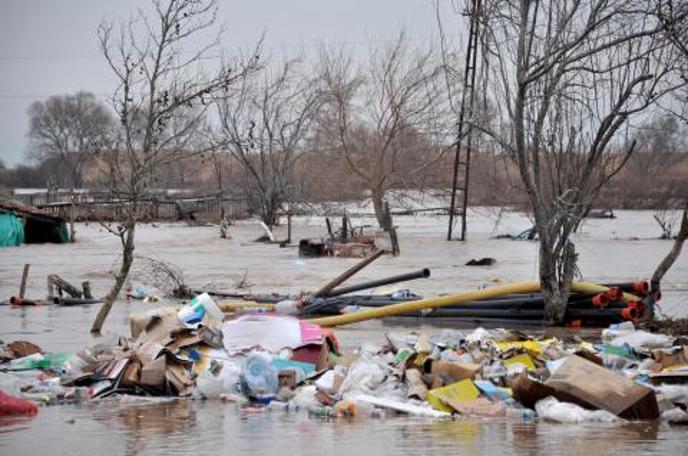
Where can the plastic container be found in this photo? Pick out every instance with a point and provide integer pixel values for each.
(192, 314)
(259, 378)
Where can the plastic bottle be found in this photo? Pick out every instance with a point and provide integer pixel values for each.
(37, 361)
(259, 377)
(320, 411)
(524, 414)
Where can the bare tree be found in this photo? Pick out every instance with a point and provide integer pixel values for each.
(674, 17)
(265, 125)
(385, 116)
(69, 129)
(569, 76)
(654, 172)
(157, 83)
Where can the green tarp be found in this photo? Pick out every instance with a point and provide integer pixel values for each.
(11, 230)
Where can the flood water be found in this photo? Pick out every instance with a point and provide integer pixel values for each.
(610, 250)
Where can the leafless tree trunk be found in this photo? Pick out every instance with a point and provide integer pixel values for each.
(265, 126)
(160, 101)
(568, 77)
(385, 116)
(669, 259)
(674, 17)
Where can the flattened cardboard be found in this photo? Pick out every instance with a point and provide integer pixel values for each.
(591, 386)
(453, 372)
(415, 384)
(478, 407)
(463, 391)
(148, 351)
(667, 358)
(111, 370)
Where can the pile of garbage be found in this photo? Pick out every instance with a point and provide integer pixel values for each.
(270, 361)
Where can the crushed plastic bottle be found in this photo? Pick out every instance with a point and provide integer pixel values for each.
(52, 361)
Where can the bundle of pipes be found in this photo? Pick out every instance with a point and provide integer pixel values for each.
(588, 303)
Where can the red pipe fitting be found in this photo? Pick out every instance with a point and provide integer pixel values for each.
(629, 313)
(614, 293)
(600, 300)
(641, 287)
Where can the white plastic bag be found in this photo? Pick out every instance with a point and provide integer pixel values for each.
(675, 415)
(364, 376)
(642, 339)
(565, 412)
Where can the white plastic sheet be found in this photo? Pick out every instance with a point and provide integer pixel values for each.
(565, 412)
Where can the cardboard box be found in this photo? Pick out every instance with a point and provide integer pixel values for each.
(132, 376)
(453, 372)
(528, 392)
(287, 379)
(178, 376)
(153, 373)
(463, 391)
(314, 354)
(594, 387)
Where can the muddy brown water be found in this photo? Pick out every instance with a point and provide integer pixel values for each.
(132, 426)
(127, 426)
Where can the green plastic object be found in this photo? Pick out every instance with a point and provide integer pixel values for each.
(53, 361)
(11, 230)
(625, 350)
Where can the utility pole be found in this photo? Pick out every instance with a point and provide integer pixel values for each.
(464, 136)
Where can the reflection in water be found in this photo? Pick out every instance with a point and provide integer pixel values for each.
(152, 426)
(14, 423)
(147, 426)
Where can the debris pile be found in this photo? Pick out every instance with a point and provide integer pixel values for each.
(279, 362)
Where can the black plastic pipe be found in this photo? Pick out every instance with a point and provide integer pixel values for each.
(421, 274)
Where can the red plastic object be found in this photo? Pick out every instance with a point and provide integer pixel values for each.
(638, 305)
(629, 313)
(600, 301)
(614, 293)
(641, 287)
(10, 405)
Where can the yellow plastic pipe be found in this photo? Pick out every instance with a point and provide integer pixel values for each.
(464, 297)
(234, 306)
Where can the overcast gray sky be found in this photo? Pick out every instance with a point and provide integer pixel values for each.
(49, 47)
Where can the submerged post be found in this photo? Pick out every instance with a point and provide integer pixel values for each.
(25, 276)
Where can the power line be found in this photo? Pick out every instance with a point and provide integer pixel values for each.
(283, 47)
